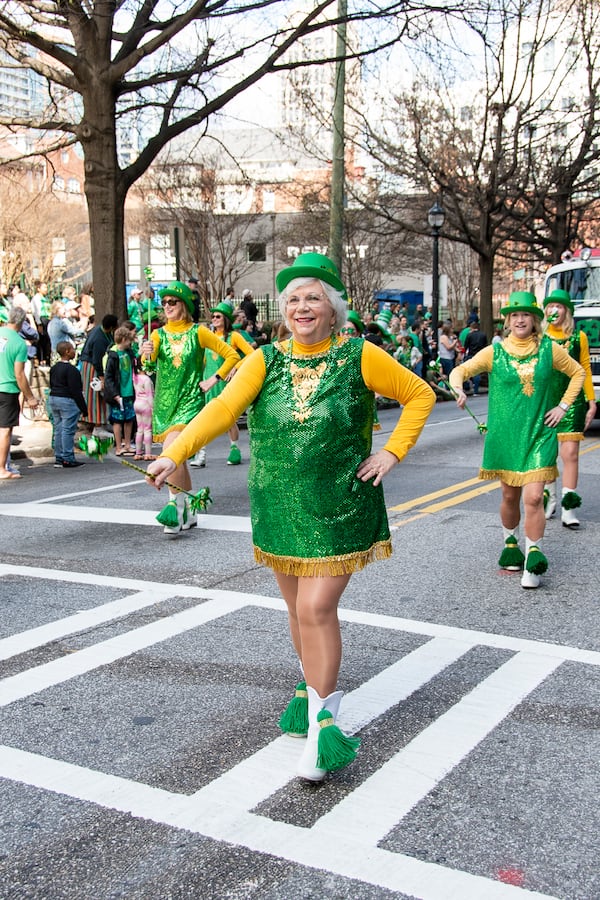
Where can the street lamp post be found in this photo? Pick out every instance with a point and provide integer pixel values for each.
(435, 218)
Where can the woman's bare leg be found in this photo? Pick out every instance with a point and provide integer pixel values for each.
(181, 476)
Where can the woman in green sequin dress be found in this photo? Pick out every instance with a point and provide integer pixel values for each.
(560, 328)
(176, 352)
(520, 445)
(317, 506)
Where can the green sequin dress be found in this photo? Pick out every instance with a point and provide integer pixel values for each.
(178, 396)
(310, 427)
(572, 424)
(519, 449)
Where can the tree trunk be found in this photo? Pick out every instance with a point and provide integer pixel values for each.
(486, 277)
(105, 191)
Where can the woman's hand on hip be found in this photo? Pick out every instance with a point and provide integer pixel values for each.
(376, 466)
(159, 471)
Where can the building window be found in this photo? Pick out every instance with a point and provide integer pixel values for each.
(162, 262)
(59, 253)
(59, 182)
(257, 252)
(134, 258)
(73, 186)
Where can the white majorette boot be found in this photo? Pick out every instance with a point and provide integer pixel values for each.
(569, 503)
(327, 748)
(171, 515)
(550, 499)
(199, 460)
(294, 719)
(535, 564)
(512, 557)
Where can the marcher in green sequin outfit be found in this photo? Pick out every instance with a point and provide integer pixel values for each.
(176, 352)
(560, 328)
(316, 498)
(520, 445)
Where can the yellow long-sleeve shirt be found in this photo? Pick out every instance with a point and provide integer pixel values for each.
(557, 334)
(381, 373)
(482, 362)
(206, 338)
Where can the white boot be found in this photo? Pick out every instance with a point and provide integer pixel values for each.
(569, 516)
(189, 518)
(307, 767)
(550, 499)
(199, 460)
(535, 564)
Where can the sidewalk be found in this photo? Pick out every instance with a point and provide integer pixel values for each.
(32, 440)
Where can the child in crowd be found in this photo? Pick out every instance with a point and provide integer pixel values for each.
(119, 390)
(67, 403)
(143, 404)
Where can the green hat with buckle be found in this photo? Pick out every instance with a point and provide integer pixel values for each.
(312, 265)
(180, 291)
(560, 296)
(225, 308)
(522, 301)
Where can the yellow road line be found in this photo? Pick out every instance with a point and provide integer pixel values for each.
(451, 489)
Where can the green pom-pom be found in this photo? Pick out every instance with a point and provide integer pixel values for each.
(294, 719)
(512, 555)
(571, 500)
(335, 749)
(546, 498)
(200, 501)
(168, 515)
(95, 447)
(536, 561)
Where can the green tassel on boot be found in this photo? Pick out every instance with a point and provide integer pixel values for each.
(512, 555)
(570, 500)
(168, 515)
(294, 719)
(536, 561)
(336, 749)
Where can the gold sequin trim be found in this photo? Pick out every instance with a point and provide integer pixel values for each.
(571, 436)
(518, 479)
(317, 567)
(525, 371)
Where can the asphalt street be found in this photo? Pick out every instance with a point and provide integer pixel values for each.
(142, 677)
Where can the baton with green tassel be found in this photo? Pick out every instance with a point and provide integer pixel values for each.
(481, 426)
(199, 502)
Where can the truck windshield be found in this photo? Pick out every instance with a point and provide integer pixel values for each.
(582, 283)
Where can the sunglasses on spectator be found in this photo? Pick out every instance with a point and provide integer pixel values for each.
(170, 301)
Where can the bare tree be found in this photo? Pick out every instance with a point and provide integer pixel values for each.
(152, 70)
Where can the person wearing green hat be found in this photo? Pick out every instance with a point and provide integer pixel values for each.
(316, 500)
(176, 352)
(559, 327)
(221, 325)
(520, 444)
(354, 325)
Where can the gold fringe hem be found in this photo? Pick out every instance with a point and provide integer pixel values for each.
(518, 479)
(570, 436)
(320, 567)
(159, 438)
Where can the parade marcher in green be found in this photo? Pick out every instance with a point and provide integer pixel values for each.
(221, 325)
(316, 499)
(176, 352)
(520, 444)
(560, 328)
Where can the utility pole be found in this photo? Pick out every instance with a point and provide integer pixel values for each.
(336, 209)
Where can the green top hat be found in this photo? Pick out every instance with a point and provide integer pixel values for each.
(522, 301)
(224, 308)
(356, 320)
(181, 291)
(312, 265)
(562, 297)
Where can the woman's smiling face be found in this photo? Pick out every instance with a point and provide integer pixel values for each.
(309, 313)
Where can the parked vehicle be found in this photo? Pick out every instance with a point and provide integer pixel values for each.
(579, 274)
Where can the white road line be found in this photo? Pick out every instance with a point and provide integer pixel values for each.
(373, 620)
(346, 856)
(119, 516)
(39, 678)
(100, 490)
(98, 615)
(377, 805)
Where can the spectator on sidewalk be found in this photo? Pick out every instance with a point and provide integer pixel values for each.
(67, 403)
(92, 373)
(13, 381)
(40, 308)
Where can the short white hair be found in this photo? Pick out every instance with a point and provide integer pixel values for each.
(338, 304)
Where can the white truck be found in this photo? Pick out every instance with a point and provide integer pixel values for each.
(579, 274)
